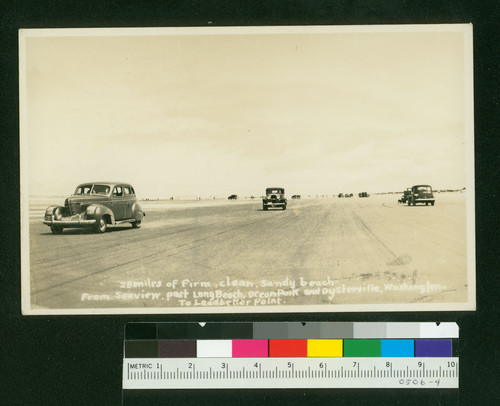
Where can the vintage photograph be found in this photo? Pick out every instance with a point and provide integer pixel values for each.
(247, 169)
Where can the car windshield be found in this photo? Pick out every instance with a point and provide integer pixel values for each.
(275, 191)
(100, 189)
(424, 189)
(92, 189)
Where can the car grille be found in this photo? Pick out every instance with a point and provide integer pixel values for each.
(74, 207)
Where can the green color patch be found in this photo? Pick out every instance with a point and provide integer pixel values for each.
(362, 348)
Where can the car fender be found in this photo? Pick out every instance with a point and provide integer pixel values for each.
(97, 211)
(137, 212)
(50, 210)
(57, 211)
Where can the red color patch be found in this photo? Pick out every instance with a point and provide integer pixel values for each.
(288, 348)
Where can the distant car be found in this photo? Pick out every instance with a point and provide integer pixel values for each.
(340, 195)
(296, 197)
(421, 194)
(233, 197)
(363, 194)
(404, 198)
(275, 197)
(96, 205)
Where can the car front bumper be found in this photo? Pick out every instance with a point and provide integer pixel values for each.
(69, 222)
(274, 204)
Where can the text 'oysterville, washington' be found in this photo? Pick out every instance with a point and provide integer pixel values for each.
(190, 293)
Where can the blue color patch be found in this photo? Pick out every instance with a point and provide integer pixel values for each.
(398, 348)
(433, 348)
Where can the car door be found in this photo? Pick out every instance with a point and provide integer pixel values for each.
(118, 203)
(129, 199)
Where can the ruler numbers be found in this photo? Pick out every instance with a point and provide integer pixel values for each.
(287, 373)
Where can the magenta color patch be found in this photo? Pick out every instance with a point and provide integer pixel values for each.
(250, 348)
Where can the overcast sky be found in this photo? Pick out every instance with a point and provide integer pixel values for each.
(213, 115)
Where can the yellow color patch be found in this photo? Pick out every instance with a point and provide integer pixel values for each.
(324, 348)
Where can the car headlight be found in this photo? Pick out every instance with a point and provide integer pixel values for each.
(58, 213)
(91, 210)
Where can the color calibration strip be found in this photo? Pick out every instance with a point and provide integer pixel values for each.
(325, 339)
(293, 330)
(290, 355)
(288, 348)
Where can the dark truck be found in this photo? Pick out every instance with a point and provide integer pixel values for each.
(421, 194)
(275, 197)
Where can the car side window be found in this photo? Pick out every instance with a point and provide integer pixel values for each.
(83, 190)
(126, 190)
(117, 191)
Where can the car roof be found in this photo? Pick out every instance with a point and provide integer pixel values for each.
(105, 183)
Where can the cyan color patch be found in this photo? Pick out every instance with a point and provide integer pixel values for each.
(398, 348)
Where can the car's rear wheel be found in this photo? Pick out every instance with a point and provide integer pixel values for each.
(409, 203)
(101, 225)
(432, 203)
(136, 224)
(56, 229)
(264, 208)
(284, 207)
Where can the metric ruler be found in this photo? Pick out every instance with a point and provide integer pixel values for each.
(290, 355)
(230, 373)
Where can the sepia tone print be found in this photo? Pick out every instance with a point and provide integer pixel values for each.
(247, 169)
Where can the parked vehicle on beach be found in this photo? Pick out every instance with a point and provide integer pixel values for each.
(296, 197)
(363, 194)
(233, 197)
(96, 205)
(421, 194)
(404, 198)
(274, 198)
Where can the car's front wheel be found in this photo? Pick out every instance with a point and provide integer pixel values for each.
(136, 224)
(56, 229)
(101, 225)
